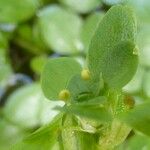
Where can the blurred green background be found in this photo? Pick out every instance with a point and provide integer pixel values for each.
(31, 31)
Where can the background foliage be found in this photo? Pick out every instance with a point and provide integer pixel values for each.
(31, 32)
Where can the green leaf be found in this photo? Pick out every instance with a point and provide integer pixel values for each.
(30, 39)
(61, 29)
(135, 85)
(10, 134)
(89, 28)
(37, 63)
(69, 138)
(138, 118)
(78, 140)
(86, 138)
(116, 134)
(95, 101)
(97, 112)
(82, 90)
(142, 9)
(29, 98)
(74, 138)
(146, 83)
(117, 25)
(42, 139)
(3, 41)
(5, 67)
(13, 11)
(81, 6)
(143, 40)
(38, 38)
(47, 112)
(119, 65)
(25, 104)
(56, 75)
(79, 87)
(138, 142)
(113, 2)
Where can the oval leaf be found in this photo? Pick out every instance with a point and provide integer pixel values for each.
(89, 28)
(119, 65)
(56, 74)
(13, 11)
(60, 29)
(116, 26)
(42, 139)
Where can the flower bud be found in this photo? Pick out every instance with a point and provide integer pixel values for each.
(64, 94)
(129, 101)
(85, 74)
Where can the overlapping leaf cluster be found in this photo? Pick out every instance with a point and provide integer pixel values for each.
(111, 64)
(103, 100)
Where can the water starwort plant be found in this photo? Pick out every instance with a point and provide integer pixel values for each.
(97, 114)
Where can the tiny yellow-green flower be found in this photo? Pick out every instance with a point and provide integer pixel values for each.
(85, 74)
(64, 94)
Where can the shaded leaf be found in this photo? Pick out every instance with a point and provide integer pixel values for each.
(138, 142)
(89, 28)
(79, 87)
(13, 11)
(138, 118)
(90, 112)
(75, 139)
(5, 67)
(10, 134)
(95, 101)
(37, 63)
(42, 139)
(78, 140)
(30, 39)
